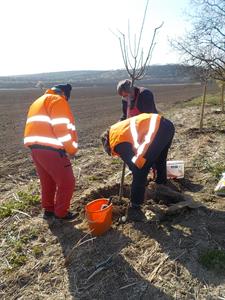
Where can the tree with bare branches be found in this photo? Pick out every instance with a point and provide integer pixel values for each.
(135, 60)
(204, 44)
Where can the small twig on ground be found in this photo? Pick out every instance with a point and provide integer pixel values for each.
(128, 285)
(180, 255)
(95, 273)
(16, 197)
(128, 173)
(79, 243)
(210, 237)
(21, 212)
(155, 271)
(37, 264)
(85, 288)
(2, 243)
(2, 224)
(7, 262)
(101, 266)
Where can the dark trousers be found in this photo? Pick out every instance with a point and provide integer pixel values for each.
(156, 157)
(57, 180)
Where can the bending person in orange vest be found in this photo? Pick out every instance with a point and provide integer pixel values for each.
(51, 135)
(141, 142)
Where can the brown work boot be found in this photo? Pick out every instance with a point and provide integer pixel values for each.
(135, 214)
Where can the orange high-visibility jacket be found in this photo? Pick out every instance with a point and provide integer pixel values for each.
(50, 123)
(139, 131)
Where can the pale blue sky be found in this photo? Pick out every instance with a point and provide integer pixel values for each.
(59, 35)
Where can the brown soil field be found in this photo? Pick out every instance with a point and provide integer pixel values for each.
(94, 108)
(159, 259)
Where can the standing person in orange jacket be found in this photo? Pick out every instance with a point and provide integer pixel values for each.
(140, 141)
(135, 100)
(51, 135)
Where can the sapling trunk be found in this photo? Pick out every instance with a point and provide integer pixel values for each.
(222, 97)
(203, 106)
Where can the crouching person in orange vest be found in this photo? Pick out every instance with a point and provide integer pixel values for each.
(141, 142)
(51, 135)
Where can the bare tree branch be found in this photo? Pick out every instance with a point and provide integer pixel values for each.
(129, 39)
(204, 44)
(133, 58)
(141, 31)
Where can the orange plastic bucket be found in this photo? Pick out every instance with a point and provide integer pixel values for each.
(99, 217)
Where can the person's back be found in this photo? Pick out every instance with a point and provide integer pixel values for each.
(141, 142)
(39, 122)
(46, 127)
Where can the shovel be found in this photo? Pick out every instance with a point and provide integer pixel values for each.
(122, 182)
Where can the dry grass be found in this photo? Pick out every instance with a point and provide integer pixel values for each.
(155, 260)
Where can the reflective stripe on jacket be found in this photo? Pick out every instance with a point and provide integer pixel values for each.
(139, 131)
(50, 123)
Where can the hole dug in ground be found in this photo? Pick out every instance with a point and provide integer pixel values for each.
(160, 201)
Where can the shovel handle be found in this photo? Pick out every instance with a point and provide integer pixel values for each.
(122, 182)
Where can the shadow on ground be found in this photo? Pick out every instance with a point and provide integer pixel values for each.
(185, 236)
(119, 280)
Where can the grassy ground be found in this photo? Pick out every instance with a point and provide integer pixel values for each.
(182, 257)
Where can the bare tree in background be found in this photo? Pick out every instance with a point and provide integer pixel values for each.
(204, 44)
(135, 61)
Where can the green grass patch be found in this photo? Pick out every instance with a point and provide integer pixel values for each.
(17, 256)
(211, 99)
(24, 202)
(30, 234)
(17, 260)
(116, 161)
(203, 164)
(216, 170)
(37, 251)
(213, 259)
(18, 245)
(94, 178)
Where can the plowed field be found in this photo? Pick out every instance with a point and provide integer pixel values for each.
(94, 108)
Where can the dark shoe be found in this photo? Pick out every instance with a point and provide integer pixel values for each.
(48, 215)
(135, 214)
(68, 217)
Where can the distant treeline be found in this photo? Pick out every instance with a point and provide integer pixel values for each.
(171, 73)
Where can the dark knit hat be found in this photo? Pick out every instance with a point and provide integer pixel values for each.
(66, 88)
